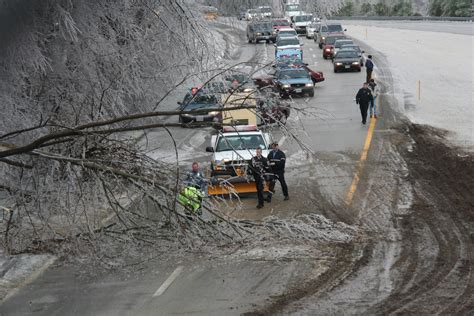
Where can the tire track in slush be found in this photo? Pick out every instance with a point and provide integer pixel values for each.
(443, 208)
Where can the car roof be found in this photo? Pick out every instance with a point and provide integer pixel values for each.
(287, 29)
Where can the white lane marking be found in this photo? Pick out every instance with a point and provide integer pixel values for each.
(282, 140)
(168, 281)
(310, 49)
(314, 55)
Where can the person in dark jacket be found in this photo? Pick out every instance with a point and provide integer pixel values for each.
(259, 166)
(363, 98)
(277, 160)
(369, 66)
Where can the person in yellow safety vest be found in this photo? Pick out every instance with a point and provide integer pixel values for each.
(191, 198)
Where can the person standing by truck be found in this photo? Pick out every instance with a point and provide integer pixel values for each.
(277, 161)
(259, 166)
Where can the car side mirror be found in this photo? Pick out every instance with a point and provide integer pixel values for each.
(180, 103)
(363, 52)
(345, 30)
(209, 149)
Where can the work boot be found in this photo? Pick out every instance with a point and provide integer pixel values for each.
(286, 198)
(268, 199)
(259, 206)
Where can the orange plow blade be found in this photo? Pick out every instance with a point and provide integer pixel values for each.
(229, 188)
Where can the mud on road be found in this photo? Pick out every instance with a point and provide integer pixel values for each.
(416, 252)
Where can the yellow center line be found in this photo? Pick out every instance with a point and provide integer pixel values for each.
(361, 162)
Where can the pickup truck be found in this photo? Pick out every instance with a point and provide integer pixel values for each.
(232, 151)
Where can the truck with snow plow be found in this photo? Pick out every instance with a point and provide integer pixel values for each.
(232, 151)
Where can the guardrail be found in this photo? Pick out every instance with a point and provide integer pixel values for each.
(403, 18)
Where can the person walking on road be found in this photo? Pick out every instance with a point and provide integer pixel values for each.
(375, 91)
(277, 160)
(369, 66)
(363, 98)
(259, 166)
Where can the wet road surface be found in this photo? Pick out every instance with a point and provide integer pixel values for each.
(414, 250)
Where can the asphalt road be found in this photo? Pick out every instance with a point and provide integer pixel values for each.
(398, 264)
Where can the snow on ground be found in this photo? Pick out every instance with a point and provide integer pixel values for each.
(442, 62)
(20, 269)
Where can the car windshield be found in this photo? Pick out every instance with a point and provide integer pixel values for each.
(339, 43)
(332, 39)
(334, 28)
(303, 18)
(346, 54)
(239, 142)
(281, 23)
(292, 7)
(297, 73)
(263, 26)
(353, 47)
(199, 100)
(288, 42)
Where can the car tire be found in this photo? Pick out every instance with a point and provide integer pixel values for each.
(250, 41)
(324, 57)
(359, 69)
(320, 46)
(335, 70)
(311, 94)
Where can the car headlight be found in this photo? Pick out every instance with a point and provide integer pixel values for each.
(338, 64)
(328, 49)
(214, 113)
(355, 63)
(286, 86)
(258, 34)
(309, 84)
(323, 38)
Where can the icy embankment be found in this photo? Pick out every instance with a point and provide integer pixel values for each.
(442, 63)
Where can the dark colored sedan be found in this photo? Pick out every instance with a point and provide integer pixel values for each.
(197, 100)
(357, 50)
(346, 59)
(267, 80)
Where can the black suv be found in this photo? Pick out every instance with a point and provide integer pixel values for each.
(260, 31)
